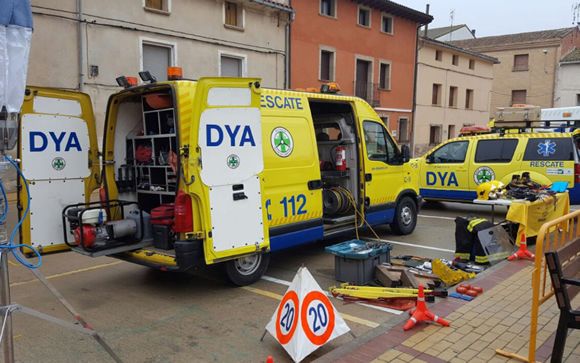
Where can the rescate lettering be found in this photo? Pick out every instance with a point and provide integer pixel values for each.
(280, 102)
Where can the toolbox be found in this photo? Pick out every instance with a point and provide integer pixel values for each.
(162, 219)
(162, 237)
(355, 260)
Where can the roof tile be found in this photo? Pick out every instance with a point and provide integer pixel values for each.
(508, 39)
(435, 33)
(573, 56)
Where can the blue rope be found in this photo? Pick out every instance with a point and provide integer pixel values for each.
(14, 248)
(5, 212)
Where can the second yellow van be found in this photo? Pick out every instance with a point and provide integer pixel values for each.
(452, 170)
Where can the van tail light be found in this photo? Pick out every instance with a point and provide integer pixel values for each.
(102, 195)
(576, 173)
(183, 213)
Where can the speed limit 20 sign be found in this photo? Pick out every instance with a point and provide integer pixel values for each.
(305, 318)
(317, 317)
(286, 317)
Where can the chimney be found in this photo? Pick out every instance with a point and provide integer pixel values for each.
(426, 25)
(473, 32)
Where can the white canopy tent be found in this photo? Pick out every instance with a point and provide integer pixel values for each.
(15, 36)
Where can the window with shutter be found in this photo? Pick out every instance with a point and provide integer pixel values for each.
(231, 66)
(387, 24)
(452, 96)
(328, 8)
(326, 65)
(364, 16)
(156, 59)
(450, 131)
(469, 99)
(159, 5)
(519, 96)
(233, 13)
(455, 60)
(385, 76)
(521, 62)
(436, 98)
(403, 129)
(434, 134)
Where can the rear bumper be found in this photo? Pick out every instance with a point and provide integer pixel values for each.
(188, 255)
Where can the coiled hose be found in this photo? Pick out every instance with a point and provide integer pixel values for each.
(11, 245)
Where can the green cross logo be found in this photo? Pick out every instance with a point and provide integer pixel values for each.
(233, 161)
(282, 142)
(483, 174)
(58, 163)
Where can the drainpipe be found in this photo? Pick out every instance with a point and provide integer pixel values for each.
(80, 45)
(288, 45)
(412, 143)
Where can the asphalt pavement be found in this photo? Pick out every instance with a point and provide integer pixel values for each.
(153, 316)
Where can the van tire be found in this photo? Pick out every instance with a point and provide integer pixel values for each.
(247, 269)
(405, 216)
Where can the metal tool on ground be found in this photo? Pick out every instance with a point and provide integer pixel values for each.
(401, 304)
(421, 313)
(371, 292)
(522, 253)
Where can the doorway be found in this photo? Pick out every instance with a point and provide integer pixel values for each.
(362, 82)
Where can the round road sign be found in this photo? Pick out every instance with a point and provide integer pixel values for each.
(287, 317)
(317, 317)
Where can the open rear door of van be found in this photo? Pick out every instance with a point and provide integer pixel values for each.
(59, 157)
(231, 161)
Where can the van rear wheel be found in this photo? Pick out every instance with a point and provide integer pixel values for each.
(405, 216)
(247, 269)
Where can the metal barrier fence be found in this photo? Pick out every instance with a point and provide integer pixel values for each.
(552, 236)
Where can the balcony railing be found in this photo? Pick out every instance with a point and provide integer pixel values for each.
(367, 91)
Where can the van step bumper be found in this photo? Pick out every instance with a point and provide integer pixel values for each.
(151, 259)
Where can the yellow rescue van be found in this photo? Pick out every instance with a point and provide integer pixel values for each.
(201, 172)
(452, 170)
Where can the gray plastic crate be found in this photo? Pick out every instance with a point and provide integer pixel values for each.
(358, 271)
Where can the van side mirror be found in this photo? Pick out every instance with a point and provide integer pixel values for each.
(405, 153)
(429, 159)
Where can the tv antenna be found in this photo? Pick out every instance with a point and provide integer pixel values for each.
(451, 17)
(576, 13)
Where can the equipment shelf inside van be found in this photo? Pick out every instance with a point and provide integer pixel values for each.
(334, 125)
(146, 144)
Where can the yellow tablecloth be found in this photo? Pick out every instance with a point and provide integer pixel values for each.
(531, 215)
